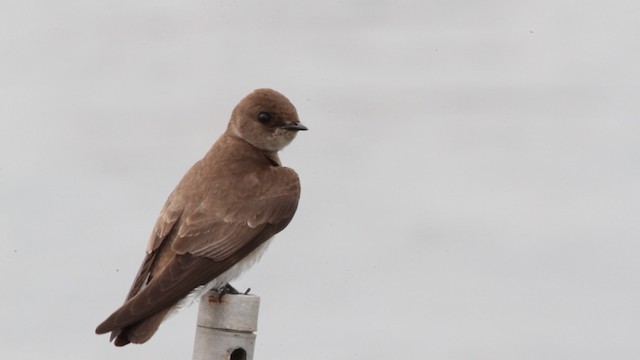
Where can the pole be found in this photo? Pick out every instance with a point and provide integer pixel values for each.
(226, 328)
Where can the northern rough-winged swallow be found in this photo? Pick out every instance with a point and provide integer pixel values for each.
(218, 220)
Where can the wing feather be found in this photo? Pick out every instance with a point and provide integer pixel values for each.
(205, 241)
(182, 275)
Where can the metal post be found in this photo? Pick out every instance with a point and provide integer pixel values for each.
(226, 328)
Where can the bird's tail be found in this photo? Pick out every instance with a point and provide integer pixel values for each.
(139, 332)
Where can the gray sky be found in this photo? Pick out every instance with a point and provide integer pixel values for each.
(470, 177)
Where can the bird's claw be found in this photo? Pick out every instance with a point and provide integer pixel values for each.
(216, 295)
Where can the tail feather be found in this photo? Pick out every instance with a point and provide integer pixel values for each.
(139, 332)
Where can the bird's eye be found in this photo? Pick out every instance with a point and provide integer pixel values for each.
(264, 117)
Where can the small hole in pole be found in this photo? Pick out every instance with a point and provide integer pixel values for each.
(238, 354)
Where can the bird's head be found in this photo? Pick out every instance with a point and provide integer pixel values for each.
(266, 119)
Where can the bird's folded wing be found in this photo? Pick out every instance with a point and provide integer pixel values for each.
(183, 274)
(220, 239)
(207, 242)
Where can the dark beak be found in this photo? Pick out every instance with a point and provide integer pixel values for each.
(295, 127)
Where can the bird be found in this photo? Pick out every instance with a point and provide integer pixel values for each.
(219, 219)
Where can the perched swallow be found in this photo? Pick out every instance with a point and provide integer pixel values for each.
(219, 219)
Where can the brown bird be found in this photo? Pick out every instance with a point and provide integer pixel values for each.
(219, 219)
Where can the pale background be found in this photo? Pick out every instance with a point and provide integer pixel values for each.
(470, 178)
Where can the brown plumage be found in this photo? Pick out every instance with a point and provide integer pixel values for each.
(218, 219)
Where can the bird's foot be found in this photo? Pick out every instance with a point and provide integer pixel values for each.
(216, 295)
(228, 289)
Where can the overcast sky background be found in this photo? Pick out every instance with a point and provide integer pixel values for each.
(470, 177)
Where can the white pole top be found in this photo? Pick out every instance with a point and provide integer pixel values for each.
(226, 328)
(235, 312)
